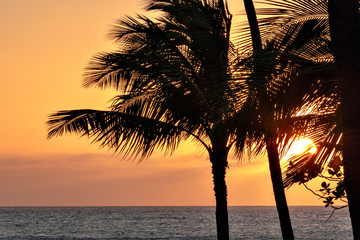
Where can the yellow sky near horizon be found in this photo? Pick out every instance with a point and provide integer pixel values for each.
(45, 45)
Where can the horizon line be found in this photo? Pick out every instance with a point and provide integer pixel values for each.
(100, 206)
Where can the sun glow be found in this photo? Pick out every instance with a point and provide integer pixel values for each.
(300, 146)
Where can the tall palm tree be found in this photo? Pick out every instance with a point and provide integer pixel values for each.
(345, 36)
(270, 136)
(344, 28)
(291, 44)
(177, 76)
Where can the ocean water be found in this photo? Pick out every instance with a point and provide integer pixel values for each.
(73, 223)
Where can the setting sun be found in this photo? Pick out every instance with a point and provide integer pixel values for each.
(300, 146)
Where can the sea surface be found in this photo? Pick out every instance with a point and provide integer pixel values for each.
(73, 223)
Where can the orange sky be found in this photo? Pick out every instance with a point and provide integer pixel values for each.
(44, 46)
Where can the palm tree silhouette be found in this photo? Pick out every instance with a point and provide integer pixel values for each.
(290, 74)
(270, 137)
(344, 28)
(343, 44)
(177, 77)
(343, 17)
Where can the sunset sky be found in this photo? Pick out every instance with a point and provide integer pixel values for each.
(44, 46)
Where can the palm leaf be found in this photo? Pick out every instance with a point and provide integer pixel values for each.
(126, 133)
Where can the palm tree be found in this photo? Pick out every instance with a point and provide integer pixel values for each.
(281, 95)
(177, 76)
(343, 138)
(270, 137)
(344, 28)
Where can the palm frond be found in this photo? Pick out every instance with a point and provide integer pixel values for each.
(132, 135)
(298, 27)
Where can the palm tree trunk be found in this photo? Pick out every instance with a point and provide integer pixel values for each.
(271, 146)
(345, 37)
(253, 24)
(280, 199)
(219, 165)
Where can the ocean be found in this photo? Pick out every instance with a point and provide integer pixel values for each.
(110, 223)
